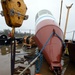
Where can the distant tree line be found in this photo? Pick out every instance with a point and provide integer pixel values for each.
(17, 34)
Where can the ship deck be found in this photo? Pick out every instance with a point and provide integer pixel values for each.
(5, 69)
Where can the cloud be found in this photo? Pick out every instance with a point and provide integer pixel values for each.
(52, 5)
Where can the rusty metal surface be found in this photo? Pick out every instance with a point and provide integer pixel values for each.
(70, 70)
(71, 49)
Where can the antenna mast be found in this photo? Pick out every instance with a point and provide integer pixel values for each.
(68, 9)
(60, 12)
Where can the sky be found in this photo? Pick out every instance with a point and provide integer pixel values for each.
(54, 7)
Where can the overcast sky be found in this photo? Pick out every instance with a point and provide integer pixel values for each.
(52, 5)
